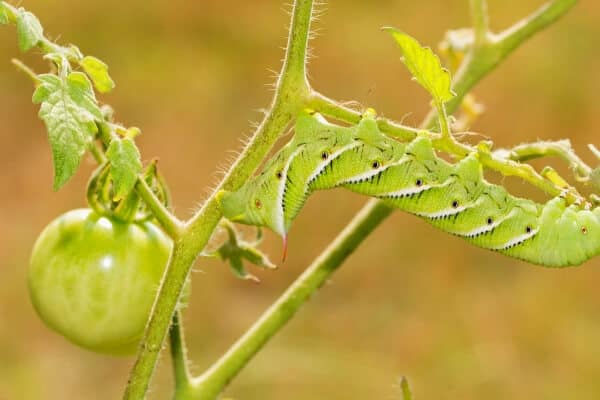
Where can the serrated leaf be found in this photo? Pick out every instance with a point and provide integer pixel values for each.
(69, 111)
(125, 165)
(425, 66)
(97, 70)
(29, 30)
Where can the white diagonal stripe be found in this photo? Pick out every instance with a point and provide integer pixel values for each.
(519, 239)
(444, 213)
(278, 212)
(321, 167)
(488, 227)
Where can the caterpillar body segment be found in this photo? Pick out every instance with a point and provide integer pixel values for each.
(410, 176)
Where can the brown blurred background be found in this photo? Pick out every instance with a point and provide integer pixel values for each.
(459, 321)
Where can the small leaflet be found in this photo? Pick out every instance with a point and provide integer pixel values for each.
(69, 110)
(125, 165)
(425, 66)
(29, 30)
(405, 388)
(97, 70)
(3, 15)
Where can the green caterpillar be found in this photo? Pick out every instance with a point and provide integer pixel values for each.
(409, 176)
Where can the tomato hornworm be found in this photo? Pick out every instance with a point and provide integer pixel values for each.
(410, 176)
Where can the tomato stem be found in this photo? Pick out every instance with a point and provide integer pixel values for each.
(477, 64)
(291, 92)
(181, 374)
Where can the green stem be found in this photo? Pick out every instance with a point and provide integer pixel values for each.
(30, 73)
(535, 22)
(167, 220)
(181, 374)
(480, 21)
(335, 110)
(529, 174)
(212, 382)
(291, 91)
(561, 149)
(97, 153)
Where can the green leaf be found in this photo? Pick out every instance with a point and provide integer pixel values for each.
(3, 15)
(425, 66)
(29, 30)
(97, 70)
(69, 110)
(405, 388)
(125, 165)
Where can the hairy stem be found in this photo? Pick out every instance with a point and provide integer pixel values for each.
(477, 64)
(167, 220)
(181, 374)
(212, 382)
(335, 110)
(291, 91)
(560, 148)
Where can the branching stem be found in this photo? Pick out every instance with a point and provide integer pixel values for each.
(183, 384)
(290, 96)
(476, 65)
(561, 149)
(167, 220)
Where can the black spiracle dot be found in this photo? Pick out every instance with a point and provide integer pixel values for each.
(376, 164)
(490, 220)
(584, 230)
(455, 204)
(419, 182)
(279, 175)
(258, 203)
(528, 229)
(324, 155)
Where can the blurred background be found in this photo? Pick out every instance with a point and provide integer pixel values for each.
(458, 321)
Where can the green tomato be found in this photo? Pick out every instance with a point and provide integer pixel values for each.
(93, 279)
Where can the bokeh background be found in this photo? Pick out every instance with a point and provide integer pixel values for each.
(458, 321)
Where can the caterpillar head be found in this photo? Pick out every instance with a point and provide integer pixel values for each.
(252, 204)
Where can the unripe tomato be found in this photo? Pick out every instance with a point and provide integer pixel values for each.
(93, 278)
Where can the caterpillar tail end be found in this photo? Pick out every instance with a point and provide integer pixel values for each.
(285, 248)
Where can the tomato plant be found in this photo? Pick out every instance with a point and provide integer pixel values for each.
(93, 278)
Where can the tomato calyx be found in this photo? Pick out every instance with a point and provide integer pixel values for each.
(100, 195)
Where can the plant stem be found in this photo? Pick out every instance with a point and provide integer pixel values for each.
(561, 148)
(335, 110)
(97, 153)
(212, 382)
(477, 64)
(26, 70)
(291, 91)
(529, 174)
(181, 374)
(480, 21)
(167, 220)
(527, 27)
